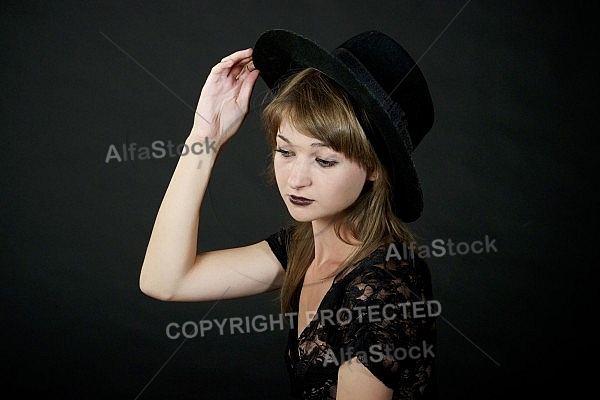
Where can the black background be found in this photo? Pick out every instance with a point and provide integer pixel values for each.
(511, 156)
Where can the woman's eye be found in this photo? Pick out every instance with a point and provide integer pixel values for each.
(284, 153)
(325, 163)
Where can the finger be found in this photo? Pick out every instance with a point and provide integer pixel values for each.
(237, 63)
(238, 55)
(247, 88)
(244, 69)
(230, 61)
(222, 68)
(231, 67)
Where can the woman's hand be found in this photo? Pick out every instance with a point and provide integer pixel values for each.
(225, 97)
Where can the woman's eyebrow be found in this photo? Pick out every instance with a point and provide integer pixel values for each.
(315, 144)
(280, 136)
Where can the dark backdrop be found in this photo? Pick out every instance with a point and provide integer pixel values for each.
(509, 157)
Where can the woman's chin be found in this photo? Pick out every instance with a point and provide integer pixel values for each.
(306, 216)
(298, 217)
(301, 214)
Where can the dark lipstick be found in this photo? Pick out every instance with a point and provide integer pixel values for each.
(300, 201)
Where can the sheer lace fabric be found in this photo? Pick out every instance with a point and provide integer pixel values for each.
(375, 314)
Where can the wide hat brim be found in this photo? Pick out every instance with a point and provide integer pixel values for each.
(280, 53)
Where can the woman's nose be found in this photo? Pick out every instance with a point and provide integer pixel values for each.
(299, 174)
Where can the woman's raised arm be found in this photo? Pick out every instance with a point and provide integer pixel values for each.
(172, 270)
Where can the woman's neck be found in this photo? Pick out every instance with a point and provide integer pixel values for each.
(331, 251)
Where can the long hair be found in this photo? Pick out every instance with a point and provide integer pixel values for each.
(319, 108)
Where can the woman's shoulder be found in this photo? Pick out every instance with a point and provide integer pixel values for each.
(278, 242)
(389, 273)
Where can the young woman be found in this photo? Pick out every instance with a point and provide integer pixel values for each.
(342, 126)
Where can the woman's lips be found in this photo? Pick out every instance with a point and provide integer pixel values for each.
(300, 201)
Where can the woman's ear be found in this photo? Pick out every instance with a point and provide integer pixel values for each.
(373, 175)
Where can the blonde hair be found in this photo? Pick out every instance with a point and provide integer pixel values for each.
(318, 107)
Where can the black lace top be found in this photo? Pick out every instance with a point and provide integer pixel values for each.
(380, 312)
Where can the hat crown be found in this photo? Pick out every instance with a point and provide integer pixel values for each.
(395, 71)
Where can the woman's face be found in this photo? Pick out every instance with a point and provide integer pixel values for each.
(315, 182)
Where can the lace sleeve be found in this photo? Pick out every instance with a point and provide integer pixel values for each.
(391, 325)
(278, 243)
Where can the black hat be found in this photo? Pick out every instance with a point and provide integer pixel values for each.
(380, 77)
